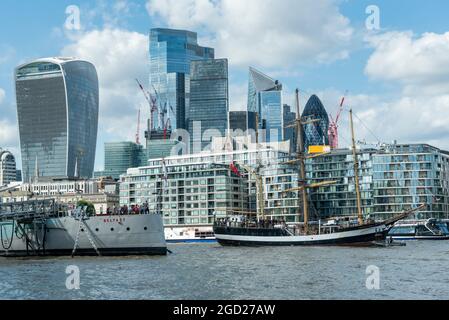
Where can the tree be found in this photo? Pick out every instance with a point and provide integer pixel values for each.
(90, 207)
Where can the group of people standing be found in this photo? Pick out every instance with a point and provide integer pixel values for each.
(245, 222)
(125, 210)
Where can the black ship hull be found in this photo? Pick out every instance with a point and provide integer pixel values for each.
(362, 236)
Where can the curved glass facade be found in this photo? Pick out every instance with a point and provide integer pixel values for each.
(83, 100)
(7, 168)
(57, 108)
(316, 133)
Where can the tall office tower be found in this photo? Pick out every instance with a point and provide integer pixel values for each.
(289, 131)
(242, 121)
(19, 175)
(120, 156)
(265, 98)
(171, 52)
(8, 172)
(161, 146)
(209, 102)
(316, 133)
(57, 108)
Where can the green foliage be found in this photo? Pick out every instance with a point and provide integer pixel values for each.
(89, 205)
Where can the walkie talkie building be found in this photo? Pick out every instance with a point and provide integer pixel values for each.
(57, 109)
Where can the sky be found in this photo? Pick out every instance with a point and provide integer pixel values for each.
(390, 57)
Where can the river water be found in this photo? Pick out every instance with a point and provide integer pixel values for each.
(209, 271)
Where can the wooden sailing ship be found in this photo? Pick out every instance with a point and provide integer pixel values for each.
(242, 230)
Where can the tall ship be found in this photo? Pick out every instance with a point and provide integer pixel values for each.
(256, 230)
(43, 228)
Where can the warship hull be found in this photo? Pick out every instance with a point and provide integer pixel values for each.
(109, 235)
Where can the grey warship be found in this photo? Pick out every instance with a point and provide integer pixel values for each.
(44, 228)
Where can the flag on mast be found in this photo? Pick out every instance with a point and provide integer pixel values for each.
(235, 170)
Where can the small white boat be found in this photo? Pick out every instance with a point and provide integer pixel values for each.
(191, 234)
(430, 229)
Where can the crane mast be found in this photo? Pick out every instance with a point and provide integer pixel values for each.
(138, 129)
(152, 102)
(333, 126)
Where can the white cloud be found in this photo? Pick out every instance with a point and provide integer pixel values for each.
(120, 57)
(267, 33)
(238, 93)
(407, 118)
(417, 63)
(410, 119)
(419, 109)
(8, 134)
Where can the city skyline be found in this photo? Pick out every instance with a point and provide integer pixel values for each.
(389, 98)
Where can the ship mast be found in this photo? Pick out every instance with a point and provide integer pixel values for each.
(302, 169)
(356, 172)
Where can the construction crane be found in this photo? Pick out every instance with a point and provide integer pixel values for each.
(162, 110)
(164, 113)
(333, 125)
(138, 129)
(167, 126)
(152, 102)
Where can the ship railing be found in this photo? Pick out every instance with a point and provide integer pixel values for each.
(26, 210)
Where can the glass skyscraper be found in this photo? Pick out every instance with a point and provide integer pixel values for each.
(120, 156)
(289, 131)
(316, 133)
(242, 121)
(8, 171)
(171, 52)
(265, 98)
(57, 107)
(209, 102)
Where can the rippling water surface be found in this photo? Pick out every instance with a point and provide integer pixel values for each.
(209, 271)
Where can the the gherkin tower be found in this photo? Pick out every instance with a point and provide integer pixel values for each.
(315, 133)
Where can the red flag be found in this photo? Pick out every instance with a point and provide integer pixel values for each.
(235, 169)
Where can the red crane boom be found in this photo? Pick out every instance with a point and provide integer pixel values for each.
(152, 102)
(333, 126)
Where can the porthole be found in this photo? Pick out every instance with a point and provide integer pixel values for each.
(145, 228)
(112, 229)
(82, 230)
(127, 229)
(97, 230)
